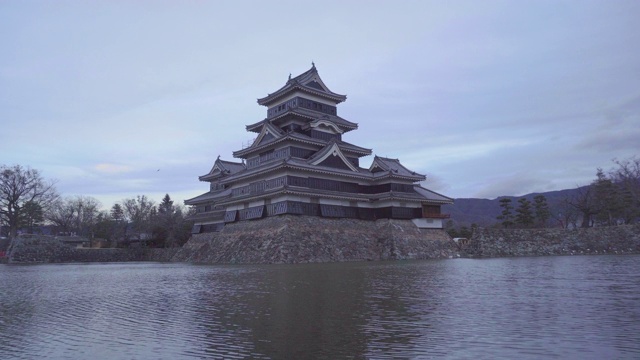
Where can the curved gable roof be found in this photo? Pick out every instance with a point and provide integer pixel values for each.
(222, 168)
(394, 167)
(310, 82)
(267, 134)
(332, 149)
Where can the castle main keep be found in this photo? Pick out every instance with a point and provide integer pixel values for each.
(300, 163)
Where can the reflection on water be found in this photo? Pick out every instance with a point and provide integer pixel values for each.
(552, 307)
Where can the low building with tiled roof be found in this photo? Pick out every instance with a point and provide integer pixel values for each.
(299, 164)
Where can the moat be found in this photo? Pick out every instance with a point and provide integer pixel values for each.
(565, 307)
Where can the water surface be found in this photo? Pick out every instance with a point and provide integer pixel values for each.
(585, 307)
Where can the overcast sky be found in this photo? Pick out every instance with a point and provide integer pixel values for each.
(122, 98)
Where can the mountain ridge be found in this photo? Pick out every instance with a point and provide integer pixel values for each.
(483, 212)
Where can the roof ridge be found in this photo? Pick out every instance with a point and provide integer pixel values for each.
(298, 82)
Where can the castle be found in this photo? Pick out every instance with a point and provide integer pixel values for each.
(300, 164)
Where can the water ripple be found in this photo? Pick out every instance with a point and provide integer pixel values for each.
(562, 307)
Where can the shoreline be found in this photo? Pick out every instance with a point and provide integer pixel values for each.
(295, 239)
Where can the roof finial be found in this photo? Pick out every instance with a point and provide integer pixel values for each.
(218, 157)
(289, 76)
(313, 65)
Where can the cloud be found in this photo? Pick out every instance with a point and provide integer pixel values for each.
(487, 98)
(520, 183)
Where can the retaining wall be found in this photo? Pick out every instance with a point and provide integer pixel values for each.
(304, 239)
(623, 239)
(49, 249)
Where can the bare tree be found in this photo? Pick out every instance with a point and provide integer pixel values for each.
(139, 212)
(20, 186)
(583, 201)
(567, 214)
(75, 214)
(628, 174)
(61, 214)
(86, 210)
(627, 178)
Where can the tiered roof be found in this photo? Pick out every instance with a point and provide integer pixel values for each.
(308, 82)
(316, 138)
(300, 138)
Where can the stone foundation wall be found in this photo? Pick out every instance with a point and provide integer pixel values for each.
(303, 239)
(49, 249)
(538, 242)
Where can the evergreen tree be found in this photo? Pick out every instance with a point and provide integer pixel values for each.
(507, 212)
(104, 226)
(474, 228)
(119, 228)
(524, 214)
(32, 216)
(541, 209)
(465, 232)
(450, 229)
(165, 222)
(117, 213)
(166, 206)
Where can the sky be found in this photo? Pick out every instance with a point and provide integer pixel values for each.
(114, 99)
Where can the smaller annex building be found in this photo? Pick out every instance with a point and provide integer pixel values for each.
(300, 163)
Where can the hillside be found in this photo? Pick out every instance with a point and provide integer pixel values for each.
(466, 211)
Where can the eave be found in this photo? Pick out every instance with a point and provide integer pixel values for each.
(273, 98)
(305, 114)
(348, 148)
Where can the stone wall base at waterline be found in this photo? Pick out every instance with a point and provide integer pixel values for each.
(306, 239)
(33, 249)
(623, 239)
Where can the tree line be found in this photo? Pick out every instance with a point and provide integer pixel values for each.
(28, 201)
(527, 214)
(612, 198)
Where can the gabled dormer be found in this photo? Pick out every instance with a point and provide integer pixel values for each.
(222, 168)
(267, 134)
(332, 156)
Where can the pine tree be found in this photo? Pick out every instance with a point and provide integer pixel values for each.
(507, 214)
(117, 213)
(32, 216)
(541, 209)
(119, 226)
(166, 206)
(524, 215)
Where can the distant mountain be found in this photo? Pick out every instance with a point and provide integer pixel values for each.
(466, 211)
